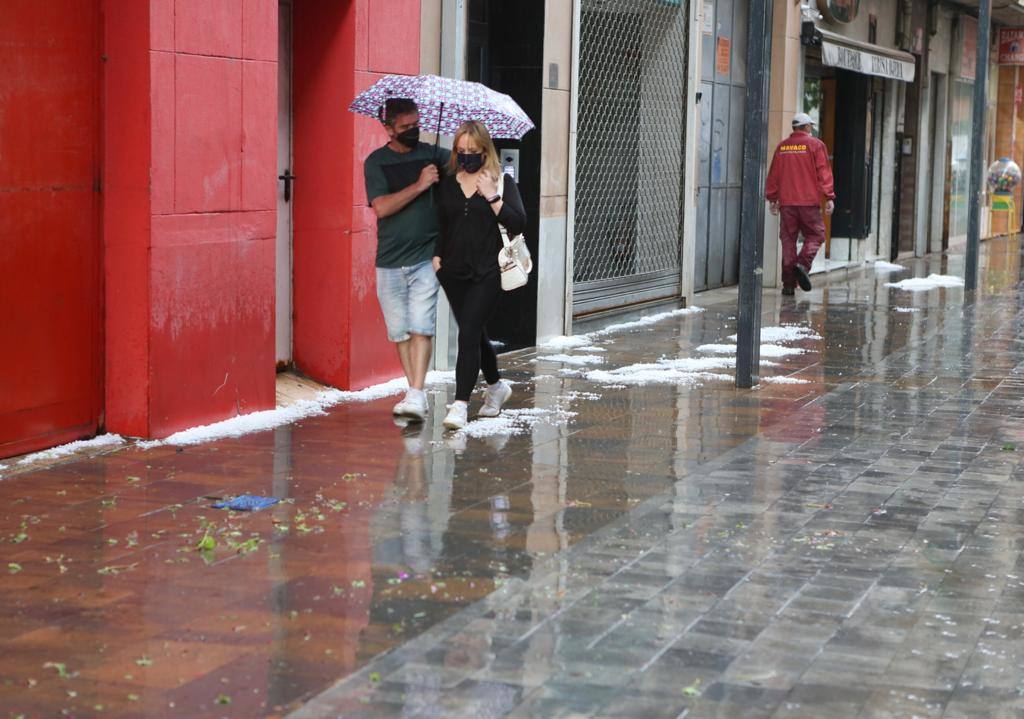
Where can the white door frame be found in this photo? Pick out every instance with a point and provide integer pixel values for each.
(570, 209)
(938, 162)
(687, 262)
(283, 247)
(922, 166)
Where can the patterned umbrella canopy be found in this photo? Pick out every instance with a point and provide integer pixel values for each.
(445, 103)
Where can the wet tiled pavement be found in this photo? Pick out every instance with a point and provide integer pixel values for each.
(846, 546)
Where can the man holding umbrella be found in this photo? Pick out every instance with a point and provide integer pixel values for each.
(399, 181)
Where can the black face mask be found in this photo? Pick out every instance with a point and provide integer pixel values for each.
(471, 163)
(409, 138)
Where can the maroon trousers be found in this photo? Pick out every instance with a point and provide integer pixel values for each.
(794, 220)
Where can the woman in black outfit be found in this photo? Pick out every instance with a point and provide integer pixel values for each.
(466, 261)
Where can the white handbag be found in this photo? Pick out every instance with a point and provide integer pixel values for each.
(514, 258)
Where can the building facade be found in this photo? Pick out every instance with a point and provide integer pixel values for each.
(184, 210)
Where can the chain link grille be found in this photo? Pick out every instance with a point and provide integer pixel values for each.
(629, 151)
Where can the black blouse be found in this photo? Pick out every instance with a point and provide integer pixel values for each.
(469, 240)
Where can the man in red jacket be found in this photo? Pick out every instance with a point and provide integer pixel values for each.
(799, 178)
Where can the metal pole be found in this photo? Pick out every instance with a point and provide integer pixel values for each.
(755, 146)
(977, 147)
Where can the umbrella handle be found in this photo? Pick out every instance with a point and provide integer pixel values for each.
(437, 141)
(437, 135)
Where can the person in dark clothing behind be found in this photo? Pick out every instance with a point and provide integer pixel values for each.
(470, 206)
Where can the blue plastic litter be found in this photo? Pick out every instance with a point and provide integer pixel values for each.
(247, 503)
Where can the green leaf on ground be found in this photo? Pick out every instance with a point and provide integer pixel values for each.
(144, 661)
(62, 669)
(693, 690)
(223, 699)
(1009, 447)
(249, 545)
(375, 677)
(19, 538)
(13, 567)
(207, 543)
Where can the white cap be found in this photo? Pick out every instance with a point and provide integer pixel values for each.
(801, 119)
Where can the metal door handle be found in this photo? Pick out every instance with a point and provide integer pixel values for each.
(288, 177)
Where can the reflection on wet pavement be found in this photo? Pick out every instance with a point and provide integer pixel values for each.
(844, 546)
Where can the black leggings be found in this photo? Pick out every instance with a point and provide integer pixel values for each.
(473, 302)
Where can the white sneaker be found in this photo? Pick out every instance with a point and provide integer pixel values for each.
(417, 404)
(495, 398)
(458, 415)
(413, 405)
(401, 408)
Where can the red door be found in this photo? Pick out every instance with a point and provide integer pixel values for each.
(50, 291)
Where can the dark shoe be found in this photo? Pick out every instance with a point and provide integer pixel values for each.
(788, 291)
(802, 278)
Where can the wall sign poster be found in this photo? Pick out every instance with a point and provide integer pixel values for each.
(708, 18)
(1011, 46)
(722, 55)
(967, 28)
(841, 11)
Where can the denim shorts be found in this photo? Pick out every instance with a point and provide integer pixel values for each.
(408, 299)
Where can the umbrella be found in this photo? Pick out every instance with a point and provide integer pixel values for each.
(445, 103)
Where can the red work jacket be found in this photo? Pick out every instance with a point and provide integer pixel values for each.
(800, 174)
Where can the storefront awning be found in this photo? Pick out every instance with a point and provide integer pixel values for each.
(864, 57)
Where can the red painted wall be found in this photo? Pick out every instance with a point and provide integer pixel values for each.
(187, 143)
(51, 367)
(127, 129)
(340, 49)
(190, 226)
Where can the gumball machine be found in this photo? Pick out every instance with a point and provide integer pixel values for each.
(1003, 178)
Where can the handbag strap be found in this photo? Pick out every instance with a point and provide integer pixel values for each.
(501, 227)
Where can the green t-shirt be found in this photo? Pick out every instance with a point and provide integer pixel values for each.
(407, 237)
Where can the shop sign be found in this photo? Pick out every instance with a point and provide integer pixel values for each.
(1011, 46)
(841, 11)
(866, 63)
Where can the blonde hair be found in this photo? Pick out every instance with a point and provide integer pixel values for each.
(477, 131)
